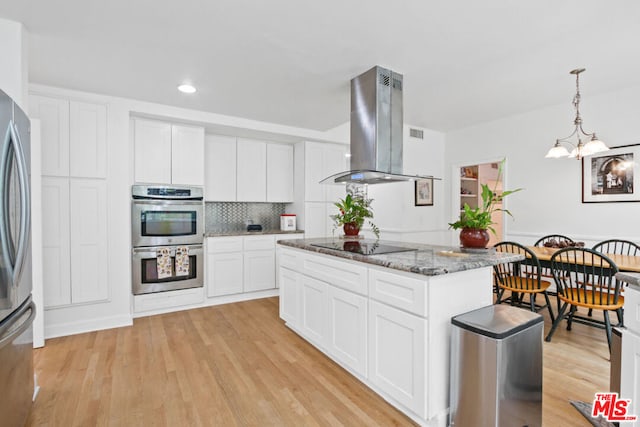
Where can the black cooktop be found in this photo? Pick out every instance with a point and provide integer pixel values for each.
(362, 247)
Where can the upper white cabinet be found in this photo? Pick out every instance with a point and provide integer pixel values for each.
(165, 153)
(251, 171)
(88, 140)
(220, 170)
(279, 173)
(74, 136)
(247, 170)
(187, 153)
(320, 161)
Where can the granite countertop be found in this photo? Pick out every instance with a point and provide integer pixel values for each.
(249, 233)
(429, 260)
(633, 279)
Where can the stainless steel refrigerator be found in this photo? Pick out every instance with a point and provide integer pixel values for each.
(16, 307)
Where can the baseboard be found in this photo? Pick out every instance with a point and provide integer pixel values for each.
(73, 328)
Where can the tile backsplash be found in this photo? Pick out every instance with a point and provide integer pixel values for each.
(222, 217)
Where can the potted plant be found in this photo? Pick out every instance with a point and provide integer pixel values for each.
(474, 222)
(353, 212)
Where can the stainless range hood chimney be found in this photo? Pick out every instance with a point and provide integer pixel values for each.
(376, 130)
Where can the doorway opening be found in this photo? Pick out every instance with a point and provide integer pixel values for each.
(472, 177)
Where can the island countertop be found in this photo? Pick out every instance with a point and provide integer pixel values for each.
(428, 260)
(633, 279)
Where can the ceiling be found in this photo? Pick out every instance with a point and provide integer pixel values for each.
(290, 61)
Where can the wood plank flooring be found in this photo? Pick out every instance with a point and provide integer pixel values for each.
(238, 365)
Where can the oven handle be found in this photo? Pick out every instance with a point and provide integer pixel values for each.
(151, 250)
(167, 202)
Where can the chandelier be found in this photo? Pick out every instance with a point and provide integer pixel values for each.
(579, 148)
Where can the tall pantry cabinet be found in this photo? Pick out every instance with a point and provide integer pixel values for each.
(74, 199)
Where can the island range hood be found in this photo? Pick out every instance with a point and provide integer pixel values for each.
(376, 130)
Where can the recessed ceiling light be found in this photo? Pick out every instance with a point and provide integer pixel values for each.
(186, 88)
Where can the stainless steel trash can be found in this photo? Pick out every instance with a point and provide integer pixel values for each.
(496, 368)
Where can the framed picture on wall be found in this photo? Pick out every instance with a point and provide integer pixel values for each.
(611, 176)
(424, 192)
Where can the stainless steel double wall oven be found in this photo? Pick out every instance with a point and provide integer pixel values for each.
(166, 220)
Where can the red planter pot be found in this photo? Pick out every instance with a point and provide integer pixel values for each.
(351, 229)
(474, 238)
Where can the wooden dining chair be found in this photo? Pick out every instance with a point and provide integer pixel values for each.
(585, 278)
(549, 237)
(618, 247)
(521, 278)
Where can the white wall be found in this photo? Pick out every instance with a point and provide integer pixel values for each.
(394, 207)
(551, 201)
(14, 70)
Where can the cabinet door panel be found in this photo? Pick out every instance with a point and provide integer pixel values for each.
(334, 161)
(56, 264)
(224, 274)
(397, 362)
(630, 364)
(347, 338)
(220, 171)
(54, 124)
(313, 317)
(279, 173)
(259, 270)
(252, 170)
(187, 155)
(152, 151)
(315, 219)
(88, 140)
(88, 203)
(314, 172)
(289, 297)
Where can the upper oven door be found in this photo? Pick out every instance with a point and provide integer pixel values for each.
(166, 222)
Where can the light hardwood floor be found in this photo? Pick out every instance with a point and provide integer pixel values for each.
(238, 365)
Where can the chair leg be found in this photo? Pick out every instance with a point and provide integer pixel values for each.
(546, 298)
(499, 298)
(590, 313)
(571, 313)
(532, 302)
(607, 323)
(620, 314)
(556, 322)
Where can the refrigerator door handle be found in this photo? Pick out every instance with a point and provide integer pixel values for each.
(9, 332)
(4, 209)
(25, 203)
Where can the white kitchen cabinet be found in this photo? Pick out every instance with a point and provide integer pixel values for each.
(630, 353)
(187, 152)
(152, 151)
(320, 161)
(347, 329)
(251, 171)
(56, 264)
(220, 170)
(88, 203)
(54, 126)
(289, 297)
(166, 153)
(313, 315)
(74, 136)
(397, 359)
(224, 273)
(317, 219)
(259, 270)
(87, 140)
(279, 173)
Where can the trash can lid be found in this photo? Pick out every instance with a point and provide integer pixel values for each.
(497, 321)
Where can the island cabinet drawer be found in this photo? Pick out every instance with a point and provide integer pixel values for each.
(632, 310)
(259, 243)
(219, 245)
(346, 275)
(405, 293)
(289, 259)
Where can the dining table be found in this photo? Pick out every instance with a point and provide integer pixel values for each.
(628, 263)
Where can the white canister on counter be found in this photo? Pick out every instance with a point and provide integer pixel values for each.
(288, 222)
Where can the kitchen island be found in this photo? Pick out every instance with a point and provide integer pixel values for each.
(382, 311)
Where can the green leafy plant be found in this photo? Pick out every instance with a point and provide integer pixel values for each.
(480, 217)
(354, 209)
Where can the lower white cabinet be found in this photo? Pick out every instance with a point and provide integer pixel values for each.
(397, 358)
(259, 270)
(224, 273)
(630, 354)
(313, 316)
(289, 297)
(347, 329)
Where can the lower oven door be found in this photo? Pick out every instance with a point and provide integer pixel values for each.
(148, 278)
